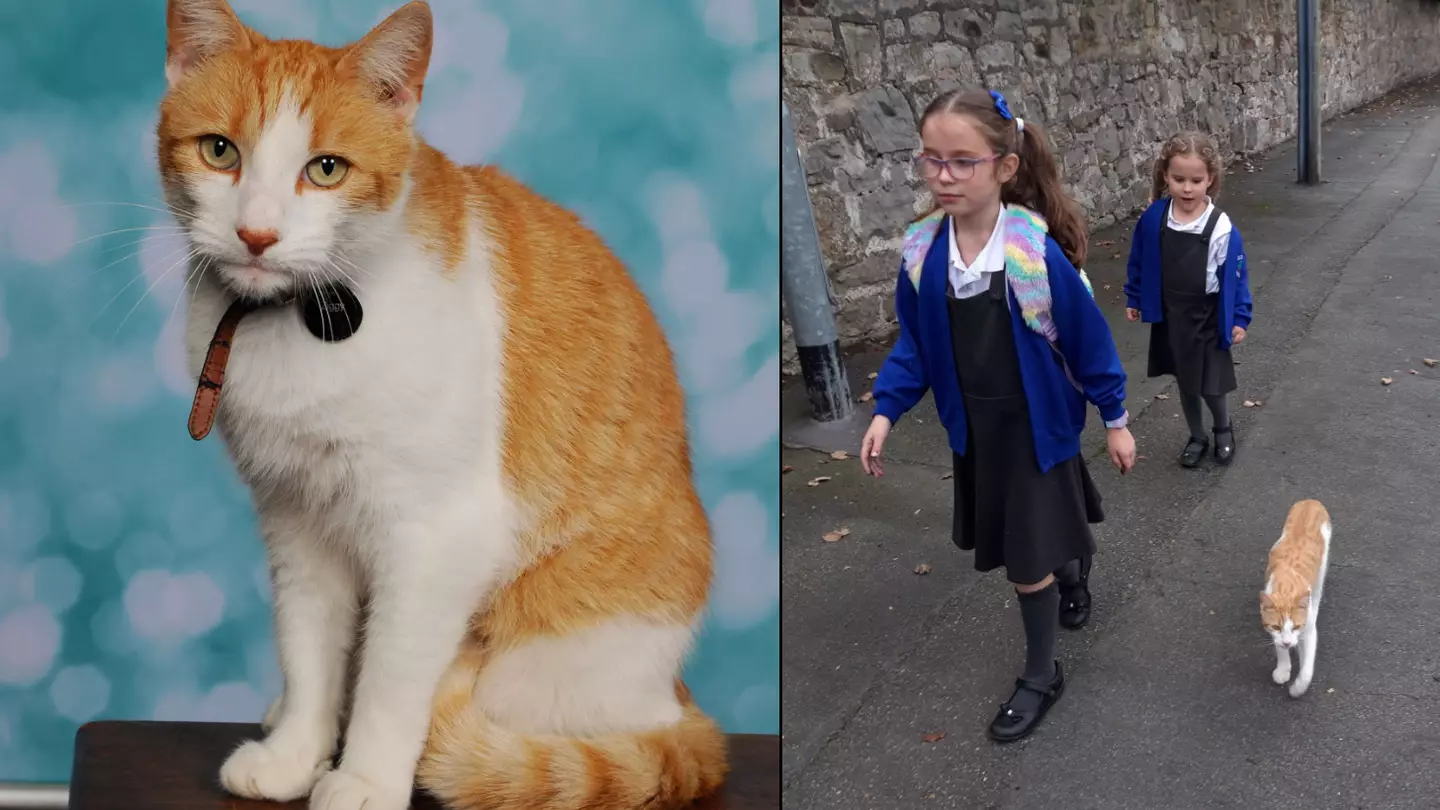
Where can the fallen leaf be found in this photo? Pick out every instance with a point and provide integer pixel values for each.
(1386, 381)
(1249, 403)
(1430, 363)
(866, 397)
(831, 537)
(1330, 691)
(815, 482)
(1162, 396)
(947, 476)
(787, 468)
(1105, 242)
(1413, 371)
(933, 737)
(922, 569)
(872, 375)
(839, 455)
(1114, 255)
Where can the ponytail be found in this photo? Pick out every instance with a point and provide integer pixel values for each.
(1036, 185)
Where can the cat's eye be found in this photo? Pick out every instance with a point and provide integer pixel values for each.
(327, 171)
(219, 153)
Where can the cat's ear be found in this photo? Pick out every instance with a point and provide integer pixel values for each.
(394, 56)
(196, 30)
(1265, 600)
(1303, 603)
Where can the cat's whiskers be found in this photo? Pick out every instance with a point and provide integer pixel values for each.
(142, 240)
(165, 230)
(194, 275)
(329, 265)
(315, 290)
(132, 254)
(351, 262)
(192, 254)
(179, 213)
(131, 282)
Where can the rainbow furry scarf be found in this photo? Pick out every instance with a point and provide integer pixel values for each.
(1025, 233)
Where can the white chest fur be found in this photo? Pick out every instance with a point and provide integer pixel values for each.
(392, 418)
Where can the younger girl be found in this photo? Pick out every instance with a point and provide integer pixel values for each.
(1187, 278)
(997, 322)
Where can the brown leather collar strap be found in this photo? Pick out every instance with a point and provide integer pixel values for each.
(212, 374)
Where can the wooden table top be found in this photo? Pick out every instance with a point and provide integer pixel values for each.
(176, 766)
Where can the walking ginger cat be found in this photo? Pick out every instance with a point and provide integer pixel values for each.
(1294, 580)
(491, 466)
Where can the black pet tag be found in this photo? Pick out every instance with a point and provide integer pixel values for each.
(332, 314)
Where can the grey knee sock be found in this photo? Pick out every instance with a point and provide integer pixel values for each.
(1039, 611)
(1194, 416)
(1219, 411)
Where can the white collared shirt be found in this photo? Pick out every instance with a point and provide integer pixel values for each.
(1219, 239)
(968, 281)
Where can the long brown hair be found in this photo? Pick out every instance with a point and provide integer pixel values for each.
(1036, 185)
(1187, 143)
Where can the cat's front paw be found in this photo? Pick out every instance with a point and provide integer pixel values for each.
(1281, 675)
(258, 771)
(1299, 687)
(340, 790)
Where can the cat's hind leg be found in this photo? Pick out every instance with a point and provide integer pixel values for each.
(1307, 661)
(1281, 675)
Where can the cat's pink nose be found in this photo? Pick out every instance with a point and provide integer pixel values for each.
(257, 241)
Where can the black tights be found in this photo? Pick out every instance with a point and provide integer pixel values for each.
(1219, 412)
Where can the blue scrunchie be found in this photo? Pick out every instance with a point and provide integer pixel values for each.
(1000, 105)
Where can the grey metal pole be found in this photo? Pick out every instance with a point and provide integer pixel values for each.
(806, 288)
(1308, 82)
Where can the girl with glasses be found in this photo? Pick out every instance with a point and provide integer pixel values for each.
(997, 322)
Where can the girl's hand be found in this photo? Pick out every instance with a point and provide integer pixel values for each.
(1132, 315)
(1122, 449)
(872, 444)
(1237, 334)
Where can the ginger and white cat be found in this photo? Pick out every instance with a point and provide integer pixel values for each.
(1294, 580)
(482, 500)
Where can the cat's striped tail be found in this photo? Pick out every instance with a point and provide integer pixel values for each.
(470, 763)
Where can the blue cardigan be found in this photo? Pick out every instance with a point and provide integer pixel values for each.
(924, 358)
(1142, 277)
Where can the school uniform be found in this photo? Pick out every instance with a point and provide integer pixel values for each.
(1190, 282)
(1024, 498)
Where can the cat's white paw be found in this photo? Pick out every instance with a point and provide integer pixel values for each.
(339, 790)
(1298, 688)
(258, 771)
(1281, 675)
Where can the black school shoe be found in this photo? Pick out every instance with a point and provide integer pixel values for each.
(1194, 451)
(1075, 599)
(1225, 445)
(1011, 725)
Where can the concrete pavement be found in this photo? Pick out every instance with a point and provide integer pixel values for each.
(1169, 702)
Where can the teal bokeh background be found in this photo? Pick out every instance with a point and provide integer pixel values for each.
(132, 582)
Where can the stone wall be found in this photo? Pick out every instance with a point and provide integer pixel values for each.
(1110, 79)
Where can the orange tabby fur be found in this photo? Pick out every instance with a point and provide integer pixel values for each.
(1295, 566)
(615, 530)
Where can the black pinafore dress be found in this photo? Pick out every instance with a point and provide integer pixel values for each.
(1008, 512)
(1187, 342)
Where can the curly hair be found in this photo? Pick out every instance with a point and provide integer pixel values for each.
(1187, 143)
(1036, 185)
